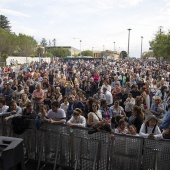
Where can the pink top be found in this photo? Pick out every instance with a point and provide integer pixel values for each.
(96, 78)
(107, 115)
(38, 94)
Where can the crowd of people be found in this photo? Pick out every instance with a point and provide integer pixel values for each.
(124, 96)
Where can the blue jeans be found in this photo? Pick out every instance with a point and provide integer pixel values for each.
(166, 121)
(37, 123)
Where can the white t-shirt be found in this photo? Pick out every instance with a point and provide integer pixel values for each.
(64, 106)
(80, 122)
(96, 118)
(59, 115)
(116, 112)
(157, 132)
(3, 109)
(109, 97)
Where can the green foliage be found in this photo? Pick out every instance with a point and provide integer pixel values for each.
(7, 42)
(43, 42)
(48, 54)
(4, 23)
(75, 54)
(123, 54)
(5, 56)
(40, 51)
(32, 55)
(161, 46)
(148, 54)
(87, 53)
(60, 52)
(11, 44)
(21, 45)
(26, 45)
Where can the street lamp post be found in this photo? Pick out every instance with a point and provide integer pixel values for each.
(92, 51)
(80, 47)
(54, 41)
(103, 50)
(80, 44)
(114, 45)
(141, 46)
(50, 49)
(128, 40)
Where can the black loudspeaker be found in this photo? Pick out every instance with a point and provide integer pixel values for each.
(11, 153)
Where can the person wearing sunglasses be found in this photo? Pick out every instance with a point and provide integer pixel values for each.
(95, 116)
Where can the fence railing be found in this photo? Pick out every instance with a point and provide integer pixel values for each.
(75, 148)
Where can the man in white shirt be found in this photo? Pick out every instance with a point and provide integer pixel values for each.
(129, 103)
(56, 114)
(108, 96)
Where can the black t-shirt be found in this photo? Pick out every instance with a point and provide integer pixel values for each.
(51, 77)
(31, 88)
(11, 75)
(135, 93)
(29, 115)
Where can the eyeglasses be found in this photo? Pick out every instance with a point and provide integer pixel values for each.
(94, 105)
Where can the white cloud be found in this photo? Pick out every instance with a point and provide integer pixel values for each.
(20, 28)
(12, 12)
(96, 22)
(165, 11)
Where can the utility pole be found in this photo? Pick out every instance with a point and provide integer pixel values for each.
(141, 46)
(129, 39)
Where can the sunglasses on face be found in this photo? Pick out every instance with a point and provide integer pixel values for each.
(94, 105)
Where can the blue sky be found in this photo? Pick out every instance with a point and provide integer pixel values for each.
(95, 22)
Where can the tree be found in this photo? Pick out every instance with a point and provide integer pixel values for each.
(17, 45)
(4, 57)
(48, 54)
(32, 56)
(60, 52)
(43, 42)
(87, 53)
(161, 45)
(7, 42)
(27, 45)
(123, 54)
(147, 54)
(4, 23)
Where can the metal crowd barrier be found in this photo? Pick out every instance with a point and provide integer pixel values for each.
(156, 155)
(126, 152)
(75, 148)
